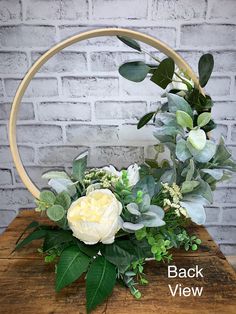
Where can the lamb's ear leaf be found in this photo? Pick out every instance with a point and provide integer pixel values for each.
(79, 166)
(100, 281)
(72, 264)
(205, 68)
(130, 42)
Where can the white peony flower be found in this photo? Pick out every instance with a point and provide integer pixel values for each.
(132, 173)
(95, 217)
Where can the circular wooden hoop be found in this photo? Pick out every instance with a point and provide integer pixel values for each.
(155, 43)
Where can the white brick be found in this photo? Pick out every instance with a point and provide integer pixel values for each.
(232, 149)
(229, 216)
(38, 87)
(27, 154)
(74, 9)
(59, 155)
(119, 156)
(39, 134)
(64, 62)
(5, 177)
(223, 234)
(224, 110)
(146, 89)
(166, 34)
(19, 198)
(219, 131)
(10, 10)
(218, 86)
(178, 10)
(3, 134)
(90, 134)
(43, 9)
(224, 195)
(106, 61)
(64, 111)
(118, 9)
(13, 62)
(208, 35)
(129, 134)
(119, 110)
(27, 36)
(91, 86)
(68, 31)
(26, 111)
(212, 215)
(225, 9)
(1, 89)
(233, 133)
(228, 249)
(6, 217)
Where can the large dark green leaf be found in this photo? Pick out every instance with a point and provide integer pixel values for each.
(35, 235)
(79, 167)
(205, 67)
(55, 238)
(101, 279)
(135, 71)
(124, 251)
(130, 42)
(163, 75)
(32, 225)
(145, 119)
(72, 264)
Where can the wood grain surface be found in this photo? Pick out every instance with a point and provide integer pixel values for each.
(27, 283)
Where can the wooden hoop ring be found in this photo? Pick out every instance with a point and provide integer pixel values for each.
(155, 43)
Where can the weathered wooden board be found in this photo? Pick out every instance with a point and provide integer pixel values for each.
(27, 284)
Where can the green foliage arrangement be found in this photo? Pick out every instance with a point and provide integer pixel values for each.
(106, 223)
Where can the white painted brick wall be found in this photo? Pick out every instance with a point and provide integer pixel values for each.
(78, 101)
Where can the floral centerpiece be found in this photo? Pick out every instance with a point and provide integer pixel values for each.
(106, 222)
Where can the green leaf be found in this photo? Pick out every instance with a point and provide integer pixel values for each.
(100, 281)
(217, 174)
(55, 175)
(79, 166)
(135, 71)
(163, 75)
(205, 67)
(33, 224)
(176, 102)
(203, 119)
(205, 154)
(197, 138)
(184, 119)
(56, 238)
(189, 186)
(47, 196)
(63, 199)
(182, 152)
(61, 185)
(145, 119)
(195, 208)
(55, 212)
(222, 153)
(72, 264)
(35, 235)
(130, 42)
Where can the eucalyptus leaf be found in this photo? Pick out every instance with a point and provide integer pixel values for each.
(205, 154)
(130, 42)
(217, 174)
(203, 119)
(176, 102)
(195, 209)
(145, 119)
(55, 212)
(135, 71)
(197, 138)
(184, 119)
(47, 197)
(163, 75)
(63, 199)
(205, 68)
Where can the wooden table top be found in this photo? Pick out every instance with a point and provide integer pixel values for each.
(27, 283)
